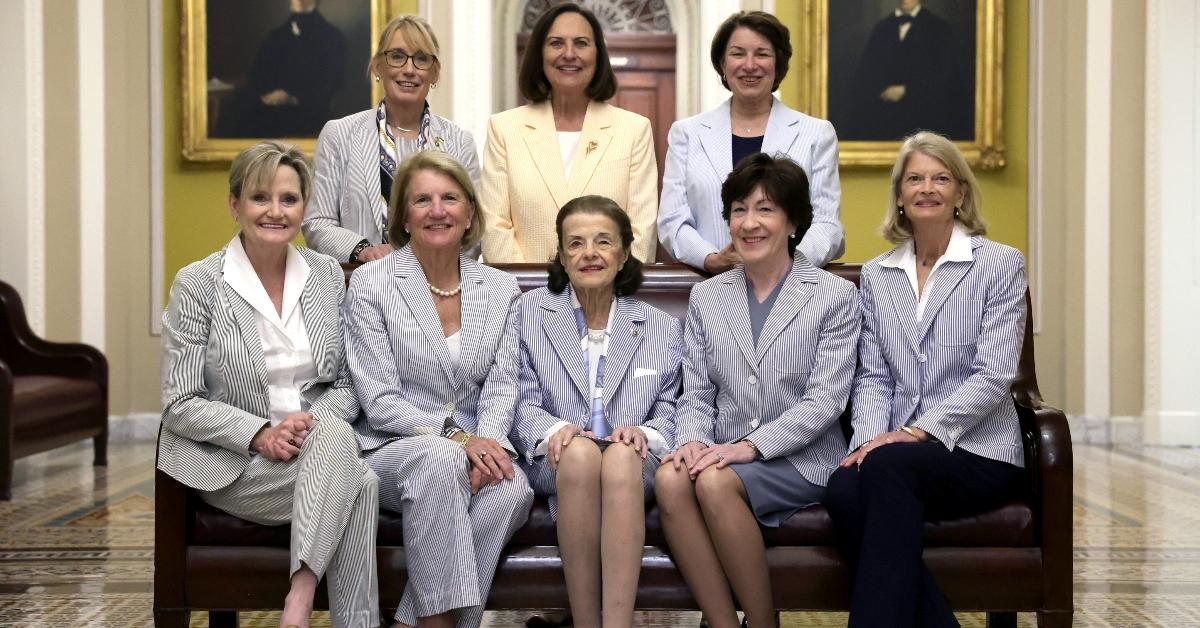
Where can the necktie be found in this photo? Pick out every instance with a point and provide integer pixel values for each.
(597, 423)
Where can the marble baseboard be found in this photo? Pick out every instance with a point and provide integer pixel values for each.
(1114, 430)
(132, 428)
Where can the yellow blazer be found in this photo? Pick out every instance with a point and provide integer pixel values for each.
(523, 185)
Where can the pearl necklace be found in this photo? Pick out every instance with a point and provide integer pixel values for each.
(444, 293)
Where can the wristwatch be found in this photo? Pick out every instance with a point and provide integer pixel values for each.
(358, 248)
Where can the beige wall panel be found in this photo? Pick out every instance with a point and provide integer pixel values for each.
(62, 176)
(1128, 214)
(132, 350)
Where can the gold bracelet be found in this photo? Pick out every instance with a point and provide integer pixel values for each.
(908, 430)
(467, 436)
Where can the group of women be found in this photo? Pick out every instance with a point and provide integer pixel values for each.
(434, 388)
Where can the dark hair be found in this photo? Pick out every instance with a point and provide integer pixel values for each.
(532, 81)
(762, 23)
(629, 278)
(782, 180)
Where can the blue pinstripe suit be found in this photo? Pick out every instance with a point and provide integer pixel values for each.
(408, 385)
(216, 399)
(700, 158)
(641, 378)
(949, 374)
(793, 385)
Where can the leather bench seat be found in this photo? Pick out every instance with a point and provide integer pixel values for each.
(1009, 526)
(44, 402)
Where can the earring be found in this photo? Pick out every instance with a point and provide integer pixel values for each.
(956, 212)
(376, 78)
(793, 236)
(901, 211)
(433, 86)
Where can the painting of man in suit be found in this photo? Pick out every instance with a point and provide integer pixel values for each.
(284, 68)
(913, 69)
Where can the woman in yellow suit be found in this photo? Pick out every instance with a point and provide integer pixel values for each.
(568, 143)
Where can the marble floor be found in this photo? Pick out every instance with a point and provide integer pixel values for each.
(76, 543)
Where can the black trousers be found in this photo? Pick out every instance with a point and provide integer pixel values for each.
(879, 510)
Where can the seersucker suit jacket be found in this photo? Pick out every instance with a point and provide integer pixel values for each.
(346, 205)
(407, 382)
(700, 158)
(642, 371)
(951, 373)
(214, 375)
(524, 184)
(785, 394)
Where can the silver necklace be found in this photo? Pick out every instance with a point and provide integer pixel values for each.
(401, 129)
(444, 293)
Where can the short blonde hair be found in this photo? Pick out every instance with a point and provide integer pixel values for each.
(434, 161)
(417, 32)
(896, 227)
(255, 167)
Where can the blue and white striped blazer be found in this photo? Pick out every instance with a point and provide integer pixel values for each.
(700, 158)
(214, 375)
(406, 380)
(645, 351)
(951, 373)
(346, 206)
(795, 382)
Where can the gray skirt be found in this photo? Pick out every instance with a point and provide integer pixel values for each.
(776, 489)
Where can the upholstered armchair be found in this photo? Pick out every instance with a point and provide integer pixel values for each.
(51, 394)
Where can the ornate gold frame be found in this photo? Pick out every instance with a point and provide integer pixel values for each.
(197, 145)
(986, 152)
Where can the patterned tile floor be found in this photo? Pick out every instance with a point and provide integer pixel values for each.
(76, 543)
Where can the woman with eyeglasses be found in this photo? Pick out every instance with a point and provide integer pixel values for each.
(357, 155)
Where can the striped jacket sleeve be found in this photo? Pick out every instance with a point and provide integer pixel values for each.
(187, 411)
(373, 367)
(676, 219)
(662, 414)
(828, 385)
(873, 383)
(825, 240)
(498, 395)
(339, 400)
(997, 353)
(697, 410)
(323, 230)
(532, 420)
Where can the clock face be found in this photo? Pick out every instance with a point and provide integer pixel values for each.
(616, 16)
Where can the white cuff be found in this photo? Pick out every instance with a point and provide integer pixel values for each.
(544, 444)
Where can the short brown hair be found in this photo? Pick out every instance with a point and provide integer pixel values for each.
(782, 180)
(896, 227)
(255, 167)
(532, 81)
(435, 161)
(419, 34)
(630, 277)
(762, 23)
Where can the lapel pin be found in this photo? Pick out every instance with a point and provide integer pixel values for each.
(439, 143)
(591, 146)
(635, 332)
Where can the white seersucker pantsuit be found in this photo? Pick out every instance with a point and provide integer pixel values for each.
(409, 385)
(641, 377)
(215, 399)
(785, 394)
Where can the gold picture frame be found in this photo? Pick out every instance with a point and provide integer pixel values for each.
(200, 143)
(984, 149)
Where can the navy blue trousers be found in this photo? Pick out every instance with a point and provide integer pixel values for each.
(879, 510)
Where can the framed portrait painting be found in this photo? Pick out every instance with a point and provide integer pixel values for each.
(274, 69)
(881, 69)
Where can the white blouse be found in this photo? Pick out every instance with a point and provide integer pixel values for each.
(905, 257)
(288, 354)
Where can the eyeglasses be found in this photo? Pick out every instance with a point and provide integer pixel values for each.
(397, 58)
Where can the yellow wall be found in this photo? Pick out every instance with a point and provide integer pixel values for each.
(865, 191)
(196, 219)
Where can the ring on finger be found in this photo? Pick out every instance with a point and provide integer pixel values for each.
(292, 442)
(482, 455)
(720, 456)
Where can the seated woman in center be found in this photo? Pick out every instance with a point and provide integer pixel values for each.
(431, 339)
(599, 380)
(936, 435)
(770, 351)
